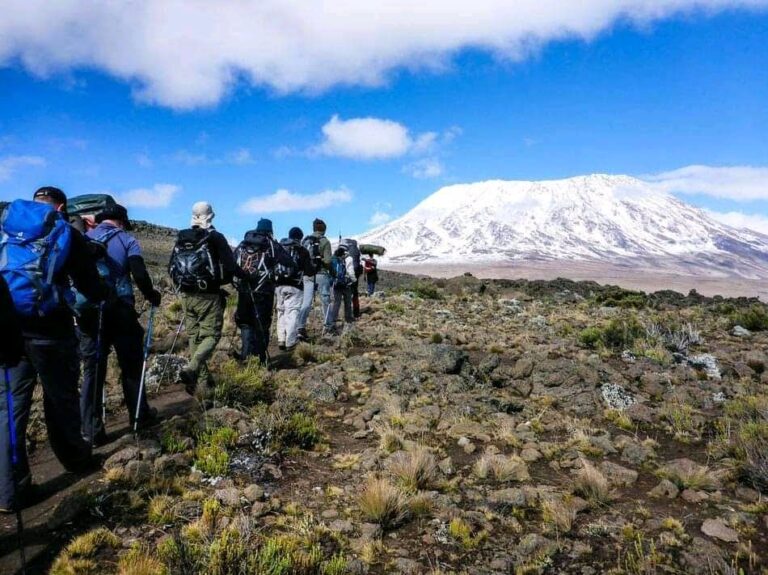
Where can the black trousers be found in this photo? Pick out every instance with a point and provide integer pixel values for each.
(254, 317)
(55, 363)
(122, 331)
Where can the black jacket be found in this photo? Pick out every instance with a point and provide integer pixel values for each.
(304, 262)
(11, 344)
(222, 257)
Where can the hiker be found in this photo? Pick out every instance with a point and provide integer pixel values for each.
(120, 328)
(354, 281)
(201, 264)
(343, 272)
(256, 257)
(290, 289)
(370, 267)
(30, 234)
(319, 249)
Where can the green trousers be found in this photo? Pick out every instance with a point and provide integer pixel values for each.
(204, 320)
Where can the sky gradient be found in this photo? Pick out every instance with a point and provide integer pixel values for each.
(644, 97)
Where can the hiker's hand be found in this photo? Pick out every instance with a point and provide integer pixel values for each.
(154, 298)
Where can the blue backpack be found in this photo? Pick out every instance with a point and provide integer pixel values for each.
(35, 241)
(114, 277)
(339, 272)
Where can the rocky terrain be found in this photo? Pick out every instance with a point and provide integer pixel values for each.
(461, 426)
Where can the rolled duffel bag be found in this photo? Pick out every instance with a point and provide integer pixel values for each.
(372, 250)
(87, 206)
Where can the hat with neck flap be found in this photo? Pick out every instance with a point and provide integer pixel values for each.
(202, 215)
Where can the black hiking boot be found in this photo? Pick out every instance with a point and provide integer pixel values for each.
(302, 335)
(189, 379)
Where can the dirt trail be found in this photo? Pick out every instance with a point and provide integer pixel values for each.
(55, 484)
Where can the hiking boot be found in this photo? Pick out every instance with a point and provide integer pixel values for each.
(189, 379)
(100, 439)
(290, 348)
(280, 346)
(149, 417)
(302, 335)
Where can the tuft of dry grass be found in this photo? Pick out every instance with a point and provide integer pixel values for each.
(139, 562)
(503, 468)
(557, 515)
(592, 484)
(415, 469)
(382, 502)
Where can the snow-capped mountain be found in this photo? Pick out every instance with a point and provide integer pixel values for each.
(612, 219)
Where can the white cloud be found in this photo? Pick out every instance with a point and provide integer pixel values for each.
(754, 222)
(287, 201)
(240, 157)
(740, 183)
(190, 53)
(9, 164)
(364, 139)
(190, 159)
(425, 168)
(379, 218)
(158, 196)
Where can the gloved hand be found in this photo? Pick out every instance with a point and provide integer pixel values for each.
(154, 298)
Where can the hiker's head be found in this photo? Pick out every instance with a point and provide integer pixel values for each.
(202, 215)
(319, 226)
(52, 196)
(295, 234)
(341, 251)
(264, 226)
(116, 215)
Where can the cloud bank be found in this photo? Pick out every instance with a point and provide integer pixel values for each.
(158, 196)
(754, 222)
(9, 164)
(287, 201)
(740, 183)
(190, 53)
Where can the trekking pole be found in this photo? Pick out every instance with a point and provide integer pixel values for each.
(170, 353)
(14, 468)
(147, 344)
(94, 391)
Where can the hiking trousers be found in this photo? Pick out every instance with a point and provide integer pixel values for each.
(122, 331)
(319, 283)
(340, 294)
(289, 300)
(371, 287)
(255, 327)
(204, 318)
(55, 363)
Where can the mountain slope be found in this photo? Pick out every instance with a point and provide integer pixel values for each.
(601, 218)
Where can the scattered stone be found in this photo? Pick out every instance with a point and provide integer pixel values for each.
(692, 496)
(446, 466)
(530, 455)
(707, 363)
(138, 471)
(616, 397)
(618, 475)
(68, 509)
(254, 493)
(229, 496)
(716, 529)
(122, 457)
(665, 489)
(739, 331)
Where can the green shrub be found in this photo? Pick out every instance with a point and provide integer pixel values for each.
(591, 337)
(754, 318)
(211, 456)
(301, 431)
(426, 290)
(244, 385)
(621, 333)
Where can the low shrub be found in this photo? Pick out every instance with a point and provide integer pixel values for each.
(243, 384)
(754, 318)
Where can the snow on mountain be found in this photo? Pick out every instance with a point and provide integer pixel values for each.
(612, 219)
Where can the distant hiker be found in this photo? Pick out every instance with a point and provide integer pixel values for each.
(256, 257)
(290, 289)
(201, 264)
(120, 327)
(354, 252)
(320, 251)
(40, 254)
(343, 273)
(370, 269)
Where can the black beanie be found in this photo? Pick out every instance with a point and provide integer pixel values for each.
(295, 234)
(318, 225)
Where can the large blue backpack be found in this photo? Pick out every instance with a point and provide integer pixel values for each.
(115, 278)
(339, 272)
(35, 241)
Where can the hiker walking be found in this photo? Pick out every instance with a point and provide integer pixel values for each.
(319, 248)
(118, 327)
(40, 254)
(201, 264)
(370, 269)
(354, 281)
(256, 257)
(343, 272)
(290, 289)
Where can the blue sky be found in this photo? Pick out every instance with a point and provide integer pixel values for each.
(356, 144)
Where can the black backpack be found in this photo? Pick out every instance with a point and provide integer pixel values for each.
(354, 251)
(193, 267)
(256, 257)
(290, 275)
(312, 244)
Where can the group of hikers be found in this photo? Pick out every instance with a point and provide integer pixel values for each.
(67, 286)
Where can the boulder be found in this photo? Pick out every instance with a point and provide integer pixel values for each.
(717, 529)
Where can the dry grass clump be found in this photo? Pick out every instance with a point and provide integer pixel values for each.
(139, 561)
(462, 532)
(160, 510)
(415, 469)
(557, 515)
(592, 484)
(79, 555)
(382, 502)
(503, 468)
